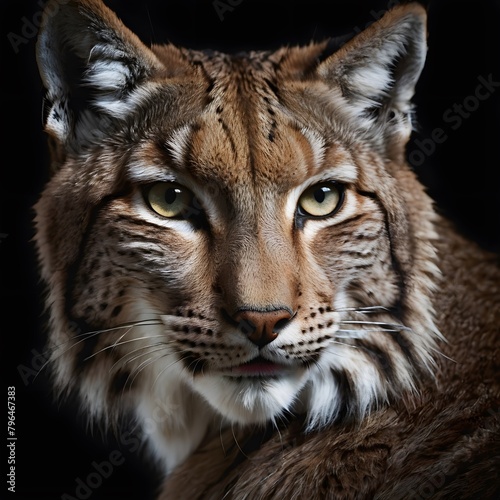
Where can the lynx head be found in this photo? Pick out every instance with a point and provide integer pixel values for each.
(233, 237)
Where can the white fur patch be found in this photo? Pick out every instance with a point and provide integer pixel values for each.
(178, 143)
(251, 400)
(317, 143)
(141, 172)
(108, 75)
(122, 106)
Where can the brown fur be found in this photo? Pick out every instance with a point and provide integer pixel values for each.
(447, 445)
(413, 406)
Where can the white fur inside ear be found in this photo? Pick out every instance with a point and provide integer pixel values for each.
(94, 69)
(121, 107)
(108, 75)
(374, 75)
(113, 75)
(370, 83)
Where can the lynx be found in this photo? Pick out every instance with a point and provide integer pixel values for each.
(239, 238)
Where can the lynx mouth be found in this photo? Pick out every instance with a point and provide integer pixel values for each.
(258, 367)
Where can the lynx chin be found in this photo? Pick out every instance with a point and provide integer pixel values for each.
(239, 237)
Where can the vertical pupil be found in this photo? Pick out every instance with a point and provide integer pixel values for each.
(320, 194)
(171, 195)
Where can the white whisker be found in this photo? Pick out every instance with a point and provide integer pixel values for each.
(143, 348)
(363, 310)
(82, 337)
(380, 323)
(164, 370)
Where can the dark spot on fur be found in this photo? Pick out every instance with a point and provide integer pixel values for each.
(193, 363)
(346, 391)
(116, 311)
(118, 383)
(83, 360)
(272, 87)
(210, 87)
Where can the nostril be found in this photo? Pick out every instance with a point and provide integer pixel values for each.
(280, 324)
(262, 326)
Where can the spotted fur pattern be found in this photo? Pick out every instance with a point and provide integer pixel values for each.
(147, 308)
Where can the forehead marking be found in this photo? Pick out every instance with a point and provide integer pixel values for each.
(178, 144)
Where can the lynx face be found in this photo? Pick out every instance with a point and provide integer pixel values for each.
(235, 236)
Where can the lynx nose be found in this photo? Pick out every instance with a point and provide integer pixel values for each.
(262, 327)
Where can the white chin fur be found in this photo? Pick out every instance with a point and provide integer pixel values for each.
(250, 400)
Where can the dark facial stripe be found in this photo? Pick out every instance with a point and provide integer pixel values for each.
(85, 348)
(120, 382)
(398, 307)
(380, 358)
(74, 268)
(346, 392)
(193, 363)
(229, 135)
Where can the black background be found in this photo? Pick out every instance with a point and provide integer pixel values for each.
(462, 174)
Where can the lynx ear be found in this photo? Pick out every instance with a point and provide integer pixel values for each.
(375, 74)
(93, 68)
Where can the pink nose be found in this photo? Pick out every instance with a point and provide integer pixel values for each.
(262, 327)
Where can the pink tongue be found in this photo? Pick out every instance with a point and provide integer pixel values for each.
(257, 367)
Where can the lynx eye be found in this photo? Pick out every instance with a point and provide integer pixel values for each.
(321, 200)
(171, 200)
